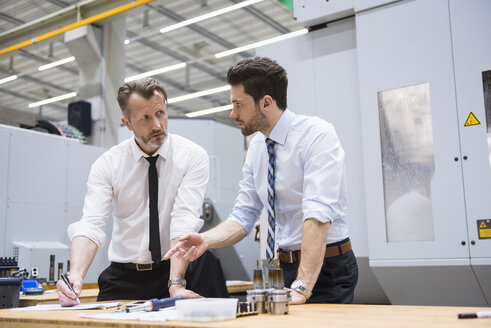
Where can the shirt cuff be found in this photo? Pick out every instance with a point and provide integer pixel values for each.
(81, 228)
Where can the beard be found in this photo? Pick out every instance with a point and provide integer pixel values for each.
(153, 142)
(258, 122)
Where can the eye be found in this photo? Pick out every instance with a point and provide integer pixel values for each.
(145, 117)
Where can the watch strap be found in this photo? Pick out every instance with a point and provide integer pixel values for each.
(176, 281)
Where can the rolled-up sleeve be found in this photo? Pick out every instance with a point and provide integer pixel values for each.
(248, 206)
(190, 194)
(97, 206)
(323, 177)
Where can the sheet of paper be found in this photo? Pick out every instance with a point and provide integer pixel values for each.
(162, 315)
(58, 307)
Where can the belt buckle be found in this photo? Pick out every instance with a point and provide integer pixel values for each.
(144, 267)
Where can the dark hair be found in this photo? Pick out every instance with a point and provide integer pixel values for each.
(145, 87)
(260, 76)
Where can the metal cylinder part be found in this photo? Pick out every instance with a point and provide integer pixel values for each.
(51, 276)
(259, 298)
(60, 270)
(278, 301)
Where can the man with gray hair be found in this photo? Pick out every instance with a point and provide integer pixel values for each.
(156, 182)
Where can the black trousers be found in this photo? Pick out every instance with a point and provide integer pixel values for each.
(116, 283)
(204, 276)
(336, 282)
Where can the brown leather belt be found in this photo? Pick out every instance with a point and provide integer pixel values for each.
(335, 249)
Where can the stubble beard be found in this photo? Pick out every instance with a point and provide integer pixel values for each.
(258, 122)
(148, 139)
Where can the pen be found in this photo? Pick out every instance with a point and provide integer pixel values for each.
(67, 281)
(479, 314)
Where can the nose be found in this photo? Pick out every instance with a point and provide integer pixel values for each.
(156, 124)
(233, 114)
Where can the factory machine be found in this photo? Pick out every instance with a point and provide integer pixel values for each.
(407, 85)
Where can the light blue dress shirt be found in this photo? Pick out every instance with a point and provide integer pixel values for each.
(310, 180)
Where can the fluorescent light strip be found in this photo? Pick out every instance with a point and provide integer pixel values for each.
(199, 94)
(261, 43)
(209, 15)
(52, 100)
(209, 111)
(56, 63)
(8, 79)
(155, 72)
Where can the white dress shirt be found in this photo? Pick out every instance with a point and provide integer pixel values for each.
(309, 180)
(120, 176)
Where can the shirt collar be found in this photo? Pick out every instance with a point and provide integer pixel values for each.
(281, 128)
(137, 153)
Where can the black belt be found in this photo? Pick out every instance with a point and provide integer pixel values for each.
(334, 249)
(140, 267)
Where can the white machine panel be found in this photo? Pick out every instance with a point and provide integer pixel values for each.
(4, 159)
(361, 5)
(414, 61)
(470, 18)
(314, 12)
(37, 174)
(473, 85)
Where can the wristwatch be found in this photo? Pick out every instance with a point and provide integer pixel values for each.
(173, 282)
(300, 287)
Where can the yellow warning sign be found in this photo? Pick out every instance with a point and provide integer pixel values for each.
(471, 120)
(484, 229)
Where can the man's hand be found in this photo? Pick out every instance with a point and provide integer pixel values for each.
(297, 298)
(66, 296)
(178, 290)
(189, 247)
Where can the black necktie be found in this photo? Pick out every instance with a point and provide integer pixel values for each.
(153, 192)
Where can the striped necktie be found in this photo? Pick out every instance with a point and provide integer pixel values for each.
(271, 199)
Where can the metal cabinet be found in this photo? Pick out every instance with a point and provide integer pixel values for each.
(426, 175)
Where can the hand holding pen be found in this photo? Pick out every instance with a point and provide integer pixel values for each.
(62, 295)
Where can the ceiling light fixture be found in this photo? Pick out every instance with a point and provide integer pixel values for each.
(56, 63)
(210, 111)
(155, 72)
(8, 79)
(208, 15)
(261, 43)
(52, 100)
(198, 94)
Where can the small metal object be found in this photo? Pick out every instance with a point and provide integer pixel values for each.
(258, 277)
(60, 270)
(51, 277)
(258, 299)
(278, 301)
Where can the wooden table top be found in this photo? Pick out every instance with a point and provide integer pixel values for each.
(310, 315)
(90, 295)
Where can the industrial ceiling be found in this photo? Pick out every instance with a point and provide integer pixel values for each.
(148, 50)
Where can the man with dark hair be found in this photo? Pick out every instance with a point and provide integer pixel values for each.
(295, 169)
(156, 182)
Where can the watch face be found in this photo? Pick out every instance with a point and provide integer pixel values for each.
(297, 284)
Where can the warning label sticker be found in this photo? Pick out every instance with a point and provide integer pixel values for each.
(484, 229)
(471, 120)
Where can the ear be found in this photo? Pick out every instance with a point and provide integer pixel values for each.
(127, 123)
(267, 102)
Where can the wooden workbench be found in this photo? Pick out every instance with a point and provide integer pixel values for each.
(311, 316)
(90, 295)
